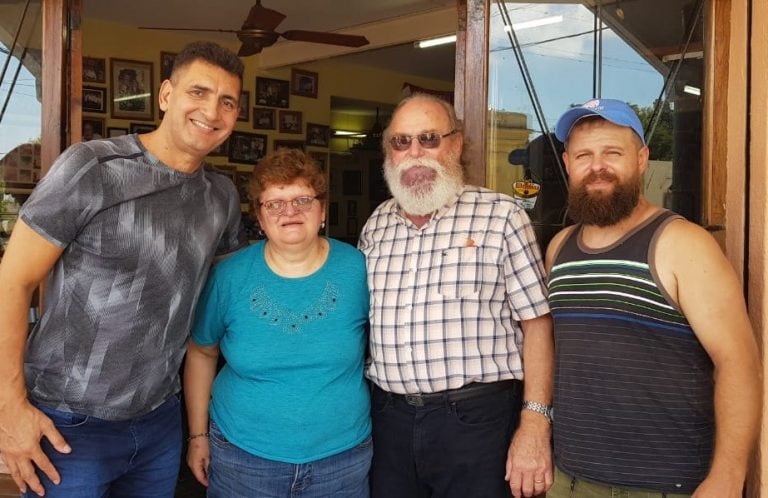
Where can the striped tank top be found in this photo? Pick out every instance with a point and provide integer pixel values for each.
(634, 387)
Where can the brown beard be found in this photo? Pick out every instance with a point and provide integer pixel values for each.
(601, 209)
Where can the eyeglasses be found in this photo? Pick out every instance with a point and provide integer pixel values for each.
(278, 206)
(429, 140)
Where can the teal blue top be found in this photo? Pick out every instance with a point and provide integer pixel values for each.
(292, 389)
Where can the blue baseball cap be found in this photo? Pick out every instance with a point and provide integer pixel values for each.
(615, 111)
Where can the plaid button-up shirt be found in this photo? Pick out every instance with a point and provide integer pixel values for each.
(447, 298)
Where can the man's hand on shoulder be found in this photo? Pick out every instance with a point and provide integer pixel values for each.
(22, 426)
(529, 459)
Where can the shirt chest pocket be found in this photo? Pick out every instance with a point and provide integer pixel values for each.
(460, 272)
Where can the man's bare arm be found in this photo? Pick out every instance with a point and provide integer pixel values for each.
(27, 260)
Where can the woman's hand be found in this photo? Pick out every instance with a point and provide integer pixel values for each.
(198, 458)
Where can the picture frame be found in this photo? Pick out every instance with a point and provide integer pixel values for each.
(141, 128)
(93, 128)
(113, 131)
(272, 92)
(352, 182)
(94, 70)
(246, 148)
(132, 89)
(227, 170)
(221, 150)
(304, 83)
(321, 158)
(264, 118)
(167, 60)
(351, 209)
(288, 144)
(318, 135)
(94, 99)
(290, 122)
(242, 180)
(245, 106)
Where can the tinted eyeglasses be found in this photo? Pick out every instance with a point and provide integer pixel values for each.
(429, 140)
(278, 206)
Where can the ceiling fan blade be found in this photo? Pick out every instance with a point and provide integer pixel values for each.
(322, 37)
(249, 48)
(190, 29)
(262, 18)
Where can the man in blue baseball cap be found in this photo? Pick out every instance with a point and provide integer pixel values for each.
(657, 384)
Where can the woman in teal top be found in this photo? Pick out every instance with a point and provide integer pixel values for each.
(290, 409)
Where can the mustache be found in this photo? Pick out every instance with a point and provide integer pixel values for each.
(424, 162)
(600, 175)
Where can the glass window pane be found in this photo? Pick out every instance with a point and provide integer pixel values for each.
(20, 116)
(556, 55)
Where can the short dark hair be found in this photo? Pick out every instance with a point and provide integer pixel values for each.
(284, 167)
(209, 52)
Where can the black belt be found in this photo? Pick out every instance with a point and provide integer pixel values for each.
(469, 391)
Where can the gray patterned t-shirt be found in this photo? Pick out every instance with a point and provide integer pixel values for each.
(138, 239)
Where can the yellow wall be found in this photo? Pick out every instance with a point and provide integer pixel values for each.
(104, 40)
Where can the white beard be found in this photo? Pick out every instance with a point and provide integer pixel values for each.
(423, 198)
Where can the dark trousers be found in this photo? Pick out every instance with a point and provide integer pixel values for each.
(445, 448)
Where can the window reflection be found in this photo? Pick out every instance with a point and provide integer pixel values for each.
(20, 116)
(648, 53)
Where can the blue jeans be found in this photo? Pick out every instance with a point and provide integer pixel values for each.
(131, 458)
(446, 449)
(235, 473)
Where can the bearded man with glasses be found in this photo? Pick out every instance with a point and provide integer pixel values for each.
(457, 300)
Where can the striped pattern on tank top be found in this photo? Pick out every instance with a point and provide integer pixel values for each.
(633, 387)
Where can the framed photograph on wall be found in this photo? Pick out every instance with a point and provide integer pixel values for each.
(245, 106)
(264, 118)
(321, 158)
(288, 144)
(246, 148)
(271, 92)
(227, 170)
(318, 135)
(242, 180)
(116, 132)
(304, 83)
(93, 128)
(132, 89)
(94, 70)
(221, 150)
(166, 65)
(290, 122)
(94, 99)
(141, 127)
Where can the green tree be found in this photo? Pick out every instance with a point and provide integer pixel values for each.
(662, 143)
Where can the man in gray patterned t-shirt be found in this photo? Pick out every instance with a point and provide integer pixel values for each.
(126, 230)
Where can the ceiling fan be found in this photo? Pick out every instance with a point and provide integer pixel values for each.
(258, 32)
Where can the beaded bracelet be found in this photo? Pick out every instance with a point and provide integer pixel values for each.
(193, 436)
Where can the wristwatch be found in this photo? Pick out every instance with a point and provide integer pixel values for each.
(541, 408)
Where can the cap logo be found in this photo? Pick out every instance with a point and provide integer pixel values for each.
(592, 104)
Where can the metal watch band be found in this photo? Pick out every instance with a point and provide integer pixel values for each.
(537, 407)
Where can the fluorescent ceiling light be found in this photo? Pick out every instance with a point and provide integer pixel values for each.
(692, 90)
(433, 42)
(133, 97)
(347, 133)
